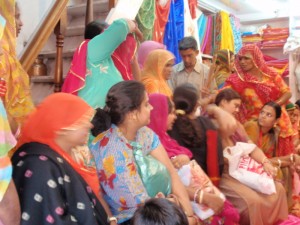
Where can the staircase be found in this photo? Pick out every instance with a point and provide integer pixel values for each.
(42, 86)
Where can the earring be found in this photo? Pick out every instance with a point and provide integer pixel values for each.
(275, 125)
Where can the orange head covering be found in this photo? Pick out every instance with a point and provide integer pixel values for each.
(57, 111)
(152, 74)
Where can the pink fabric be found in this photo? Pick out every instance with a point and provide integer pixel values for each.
(291, 220)
(145, 48)
(75, 78)
(158, 124)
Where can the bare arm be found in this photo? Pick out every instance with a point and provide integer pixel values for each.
(284, 98)
(135, 68)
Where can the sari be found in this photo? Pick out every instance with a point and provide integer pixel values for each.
(268, 143)
(161, 19)
(76, 76)
(7, 142)
(71, 110)
(223, 63)
(18, 102)
(255, 93)
(158, 123)
(152, 74)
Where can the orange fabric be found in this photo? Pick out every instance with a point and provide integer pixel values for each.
(152, 74)
(161, 19)
(57, 111)
(18, 102)
(193, 8)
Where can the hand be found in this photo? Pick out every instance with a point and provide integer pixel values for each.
(180, 160)
(205, 92)
(138, 33)
(270, 169)
(214, 202)
(297, 163)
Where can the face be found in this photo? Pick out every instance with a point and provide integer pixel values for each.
(232, 106)
(167, 71)
(294, 116)
(246, 63)
(77, 136)
(19, 22)
(143, 113)
(189, 57)
(171, 118)
(231, 63)
(267, 117)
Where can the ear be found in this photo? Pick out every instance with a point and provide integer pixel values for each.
(197, 52)
(223, 102)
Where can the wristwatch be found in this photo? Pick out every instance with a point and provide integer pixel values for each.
(112, 218)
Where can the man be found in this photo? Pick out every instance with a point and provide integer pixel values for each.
(190, 70)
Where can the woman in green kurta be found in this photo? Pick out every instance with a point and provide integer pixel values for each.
(101, 71)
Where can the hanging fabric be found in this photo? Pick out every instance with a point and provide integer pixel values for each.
(145, 18)
(161, 19)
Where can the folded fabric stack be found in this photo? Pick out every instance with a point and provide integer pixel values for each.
(280, 65)
(251, 38)
(274, 37)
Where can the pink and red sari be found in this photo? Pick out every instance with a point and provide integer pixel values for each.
(255, 93)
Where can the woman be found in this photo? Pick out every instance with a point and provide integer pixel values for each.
(52, 186)
(258, 84)
(224, 66)
(264, 133)
(127, 113)
(93, 63)
(17, 101)
(157, 70)
(255, 208)
(162, 119)
(9, 202)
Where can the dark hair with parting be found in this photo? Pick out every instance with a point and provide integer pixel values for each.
(186, 97)
(276, 107)
(159, 211)
(227, 94)
(121, 99)
(94, 28)
(187, 43)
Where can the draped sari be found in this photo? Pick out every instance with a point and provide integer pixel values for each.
(255, 93)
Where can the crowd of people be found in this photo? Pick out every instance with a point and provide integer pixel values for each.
(134, 139)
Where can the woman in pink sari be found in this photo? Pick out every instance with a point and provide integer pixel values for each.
(162, 118)
(258, 84)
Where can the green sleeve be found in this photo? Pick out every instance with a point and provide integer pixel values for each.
(103, 45)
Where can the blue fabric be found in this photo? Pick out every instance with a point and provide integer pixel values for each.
(174, 30)
(238, 42)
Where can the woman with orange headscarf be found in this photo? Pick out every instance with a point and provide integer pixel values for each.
(53, 187)
(157, 70)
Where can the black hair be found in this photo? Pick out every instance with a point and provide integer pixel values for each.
(276, 107)
(298, 103)
(159, 211)
(185, 97)
(122, 98)
(227, 94)
(94, 28)
(187, 43)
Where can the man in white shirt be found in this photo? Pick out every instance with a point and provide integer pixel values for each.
(190, 70)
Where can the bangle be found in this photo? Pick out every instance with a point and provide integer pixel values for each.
(200, 197)
(279, 163)
(292, 158)
(265, 160)
(196, 193)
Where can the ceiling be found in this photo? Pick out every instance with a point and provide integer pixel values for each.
(250, 10)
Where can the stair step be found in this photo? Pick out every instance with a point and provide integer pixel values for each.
(100, 6)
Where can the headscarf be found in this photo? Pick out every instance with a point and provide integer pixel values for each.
(145, 48)
(152, 74)
(58, 111)
(158, 123)
(18, 101)
(76, 76)
(223, 61)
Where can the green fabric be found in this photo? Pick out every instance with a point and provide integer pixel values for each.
(102, 73)
(145, 18)
(155, 176)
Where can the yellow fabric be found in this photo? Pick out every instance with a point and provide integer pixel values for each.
(18, 102)
(227, 40)
(152, 74)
